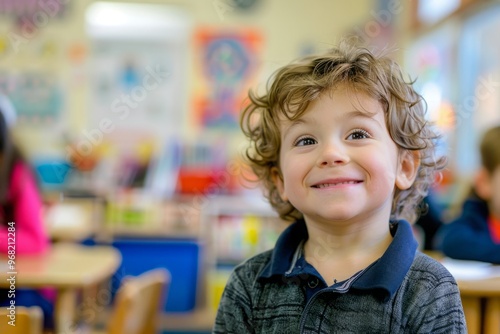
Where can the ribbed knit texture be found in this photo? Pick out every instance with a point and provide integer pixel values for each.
(428, 301)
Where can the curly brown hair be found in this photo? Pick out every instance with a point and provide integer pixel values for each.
(292, 88)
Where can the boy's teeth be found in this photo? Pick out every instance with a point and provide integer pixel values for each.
(334, 184)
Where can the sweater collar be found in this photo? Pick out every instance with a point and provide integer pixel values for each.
(386, 274)
(286, 248)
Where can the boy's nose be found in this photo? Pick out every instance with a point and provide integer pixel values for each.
(332, 155)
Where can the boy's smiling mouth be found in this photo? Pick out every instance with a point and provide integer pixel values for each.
(334, 183)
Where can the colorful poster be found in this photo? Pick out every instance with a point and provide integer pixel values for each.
(229, 62)
(36, 96)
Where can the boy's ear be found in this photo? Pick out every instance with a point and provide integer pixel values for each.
(409, 161)
(278, 182)
(482, 184)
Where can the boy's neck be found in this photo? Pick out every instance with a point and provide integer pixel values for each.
(348, 236)
(340, 253)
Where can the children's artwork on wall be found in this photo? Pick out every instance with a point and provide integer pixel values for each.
(37, 96)
(137, 85)
(228, 64)
(138, 68)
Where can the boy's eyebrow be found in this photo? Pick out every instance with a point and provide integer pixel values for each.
(363, 114)
(350, 114)
(292, 124)
(360, 113)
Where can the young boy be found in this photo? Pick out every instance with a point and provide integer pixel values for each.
(475, 234)
(342, 147)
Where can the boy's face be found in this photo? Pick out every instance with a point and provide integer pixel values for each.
(339, 163)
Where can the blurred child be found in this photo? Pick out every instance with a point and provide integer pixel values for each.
(475, 234)
(342, 147)
(20, 201)
(20, 210)
(429, 222)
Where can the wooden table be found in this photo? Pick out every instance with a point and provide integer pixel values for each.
(69, 268)
(474, 293)
(480, 299)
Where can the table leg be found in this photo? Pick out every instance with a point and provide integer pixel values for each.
(472, 311)
(492, 316)
(64, 313)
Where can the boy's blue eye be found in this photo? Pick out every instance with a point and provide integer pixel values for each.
(305, 141)
(358, 134)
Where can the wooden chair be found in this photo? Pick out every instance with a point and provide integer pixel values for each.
(137, 303)
(28, 320)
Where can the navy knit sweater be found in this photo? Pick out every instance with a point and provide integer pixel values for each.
(279, 292)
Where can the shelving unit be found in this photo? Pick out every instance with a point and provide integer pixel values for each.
(237, 228)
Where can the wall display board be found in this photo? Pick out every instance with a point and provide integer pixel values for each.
(479, 68)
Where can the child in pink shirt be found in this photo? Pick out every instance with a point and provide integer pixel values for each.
(21, 206)
(22, 230)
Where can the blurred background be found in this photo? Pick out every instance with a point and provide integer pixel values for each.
(128, 112)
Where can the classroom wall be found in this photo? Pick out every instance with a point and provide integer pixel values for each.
(59, 46)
